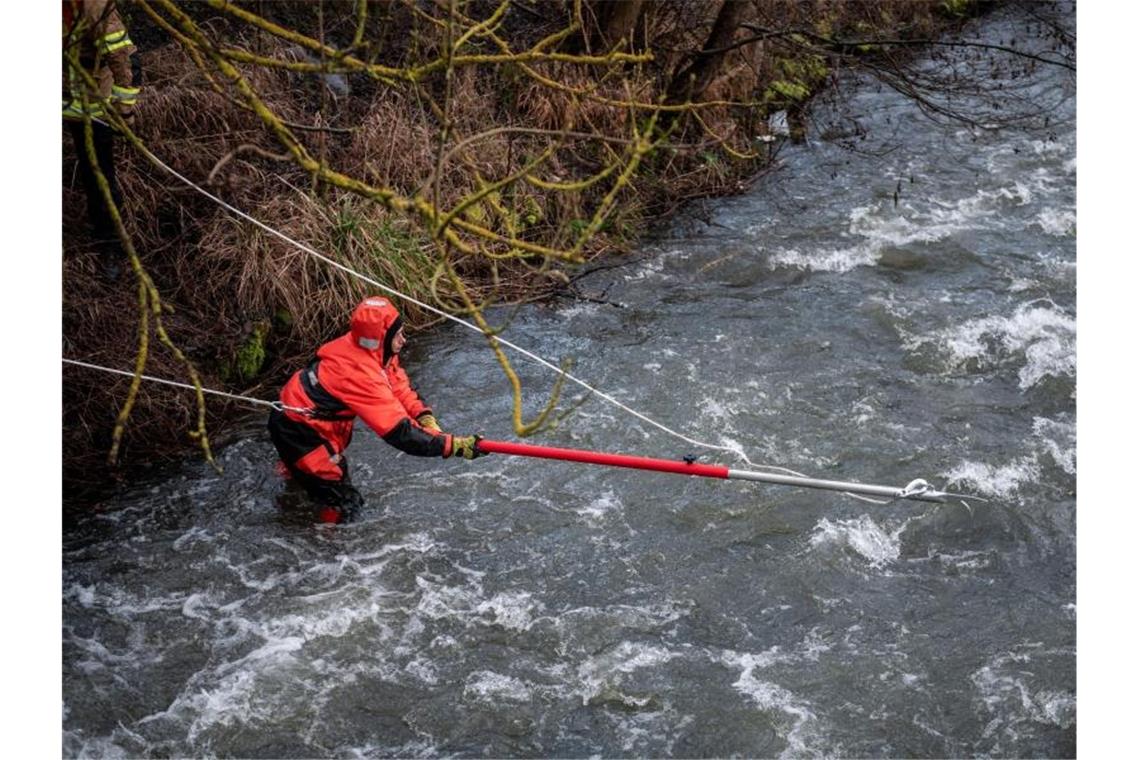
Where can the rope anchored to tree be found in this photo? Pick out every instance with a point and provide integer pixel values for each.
(917, 489)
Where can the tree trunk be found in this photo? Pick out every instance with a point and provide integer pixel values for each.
(690, 82)
(617, 22)
(605, 23)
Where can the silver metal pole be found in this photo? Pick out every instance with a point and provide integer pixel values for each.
(918, 490)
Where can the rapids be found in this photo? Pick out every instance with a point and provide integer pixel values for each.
(511, 607)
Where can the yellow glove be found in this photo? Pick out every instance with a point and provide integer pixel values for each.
(428, 422)
(466, 446)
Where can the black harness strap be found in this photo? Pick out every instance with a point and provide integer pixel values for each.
(325, 405)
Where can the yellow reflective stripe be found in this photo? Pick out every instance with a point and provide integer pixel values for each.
(125, 95)
(112, 38)
(114, 41)
(118, 46)
(74, 109)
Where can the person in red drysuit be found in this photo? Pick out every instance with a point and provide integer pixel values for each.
(355, 375)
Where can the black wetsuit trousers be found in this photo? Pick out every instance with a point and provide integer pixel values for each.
(334, 493)
(102, 224)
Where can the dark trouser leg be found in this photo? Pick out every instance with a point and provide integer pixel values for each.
(103, 231)
(336, 500)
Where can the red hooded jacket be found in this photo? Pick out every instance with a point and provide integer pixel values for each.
(355, 375)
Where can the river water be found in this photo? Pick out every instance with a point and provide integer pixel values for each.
(511, 607)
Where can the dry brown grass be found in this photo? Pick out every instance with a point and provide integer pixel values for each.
(220, 276)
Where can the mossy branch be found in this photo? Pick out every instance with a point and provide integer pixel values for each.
(643, 145)
(149, 300)
(522, 429)
(449, 227)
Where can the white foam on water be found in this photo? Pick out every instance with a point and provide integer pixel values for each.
(813, 645)
(966, 560)
(237, 696)
(875, 228)
(603, 672)
(375, 562)
(1057, 222)
(863, 535)
(1059, 440)
(651, 267)
(118, 602)
(439, 601)
(578, 309)
(600, 507)
(488, 686)
(835, 260)
(77, 746)
(978, 211)
(1006, 690)
(334, 622)
(646, 618)
(771, 697)
(513, 610)
(1002, 481)
(101, 658)
(1054, 356)
(195, 603)
(423, 670)
(85, 595)
(1051, 147)
(639, 730)
(715, 411)
(1044, 335)
(863, 412)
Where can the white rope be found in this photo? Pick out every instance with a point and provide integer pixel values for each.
(249, 399)
(392, 291)
(737, 450)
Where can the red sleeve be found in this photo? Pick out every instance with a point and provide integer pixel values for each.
(402, 389)
(370, 396)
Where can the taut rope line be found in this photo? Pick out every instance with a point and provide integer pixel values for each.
(249, 399)
(738, 451)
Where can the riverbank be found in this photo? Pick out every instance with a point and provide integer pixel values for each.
(247, 308)
(516, 607)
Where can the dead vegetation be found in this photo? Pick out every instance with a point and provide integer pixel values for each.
(476, 181)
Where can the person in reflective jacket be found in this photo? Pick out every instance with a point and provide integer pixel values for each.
(101, 65)
(355, 375)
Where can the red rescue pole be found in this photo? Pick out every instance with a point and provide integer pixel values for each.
(918, 489)
(609, 460)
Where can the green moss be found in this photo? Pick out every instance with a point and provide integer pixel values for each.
(249, 358)
(475, 214)
(532, 211)
(956, 8)
(789, 90)
(799, 77)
